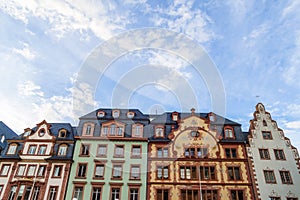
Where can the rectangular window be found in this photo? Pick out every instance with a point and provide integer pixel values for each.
(279, 154)
(32, 149)
(12, 149)
(21, 170)
(31, 170)
(162, 194)
(274, 198)
(230, 153)
(52, 193)
(291, 198)
(4, 170)
(136, 151)
(119, 151)
(42, 150)
(134, 193)
(137, 130)
(237, 194)
(117, 171)
(135, 172)
(77, 194)
(62, 151)
(1, 188)
(35, 193)
(12, 193)
(115, 194)
(234, 173)
(264, 154)
(286, 177)
(99, 171)
(101, 151)
(163, 152)
(207, 173)
(81, 170)
(195, 152)
(267, 135)
(159, 132)
(188, 172)
(96, 194)
(85, 150)
(57, 171)
(189, 195)
(269, 176)
(162, 172)
(209, 194)
(41, 171)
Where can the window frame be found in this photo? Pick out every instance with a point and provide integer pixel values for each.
(285, 173)
(96, 187)
(262, 153)
(162, 168)
(88, 129)
(117, 114)
(116, 154)
(131, 177)
(237, 195)
(267, 135)
(18, 169)
(134, 130)
(231, 131)
(279, 154)
(267, 174)
(187, 170)
(129, 193)
(45, 151)
(60, 171)
(102, 155)
(212, 175)
(49, 192)
(74, 189)
(159, 129)
(118, 127)
(162, 192)
(29, 150)
(163, 150)
(12, 145)
(133, 155)
(59, 150)
(78, 168)
(61, 132)
(231, 153)
(111, 192)
(114, 170)
(8, 166)
(44, 170)
(95, 170)
(28, 168)
(84, 150)
(232, 169)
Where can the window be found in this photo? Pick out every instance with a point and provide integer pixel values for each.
(1, 188)
(162, 194)
(134, 193)
(264, 154)
(135, 172)
(113, 130)
(57, 171)
(42, 150)
(12, 193)
(274, 198)
(237, 194)
(24, 192)
(234, 173)
(159, 132)
(264, 123)
(81, 171)
(137, 130)
(119, 151)
(162, 152)
(130, 115)
(35, 193)
(62, 150)
(136, 151)
(42, 132)
(101, 114)
(85, 150)
(188, 172)
(291, 198)
(41, 170)
(31, 149)
(88, 129)
(4, 170)
(230, 153)
(212, 117)
(52, 193)
(195, 152)
(115, 194)
(117, 172)
(286, 177)
(21, 170)
(99, 171)
(12, 149)
(228, 132)
(267, 135)
(116, 113)
(162, 172)
(31, 170)
(209, 194)
(207, 173)
(279, 154)
(189, 195)
(269, 176)
(77, 194)
(96, 194)
(174, 116)
(101, 150)
(62, 133)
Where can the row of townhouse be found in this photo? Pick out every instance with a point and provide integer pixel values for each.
(116, 154)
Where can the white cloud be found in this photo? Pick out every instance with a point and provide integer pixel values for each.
(25, 52)
(28, 88)
(292, 7)
(293, 125)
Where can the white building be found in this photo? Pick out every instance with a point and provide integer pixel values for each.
(275, 162)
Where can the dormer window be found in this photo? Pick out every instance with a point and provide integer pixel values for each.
(137, 130)
(62, 133)
(130, 115)
(88, 129)
(159, 131)
(114, 129)
(101, 114)
(174, 116)
(116, 113)
(42, 132)
(228, 131)
(12, 149)
(212, 117)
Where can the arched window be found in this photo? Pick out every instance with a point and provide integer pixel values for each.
(88, 129)
(228, 131)
(12, 149)
(62, 133)
(62, 150)
(112, 129)
(137, 130)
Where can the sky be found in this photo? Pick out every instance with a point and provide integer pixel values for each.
(53, 65)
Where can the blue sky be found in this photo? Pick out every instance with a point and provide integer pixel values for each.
(254, 45)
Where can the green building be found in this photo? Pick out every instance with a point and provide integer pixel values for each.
(110, 156)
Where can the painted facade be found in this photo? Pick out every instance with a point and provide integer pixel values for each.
(110, 158)
(193, 155)
(275, 162)
(35, 165)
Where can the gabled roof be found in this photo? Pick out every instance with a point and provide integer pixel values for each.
(108, 114)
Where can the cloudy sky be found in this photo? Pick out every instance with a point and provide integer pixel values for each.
(47, 49)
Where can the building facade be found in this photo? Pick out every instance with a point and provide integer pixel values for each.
(195, 156)
(110, 157)
(275, 162)
(35, 165)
